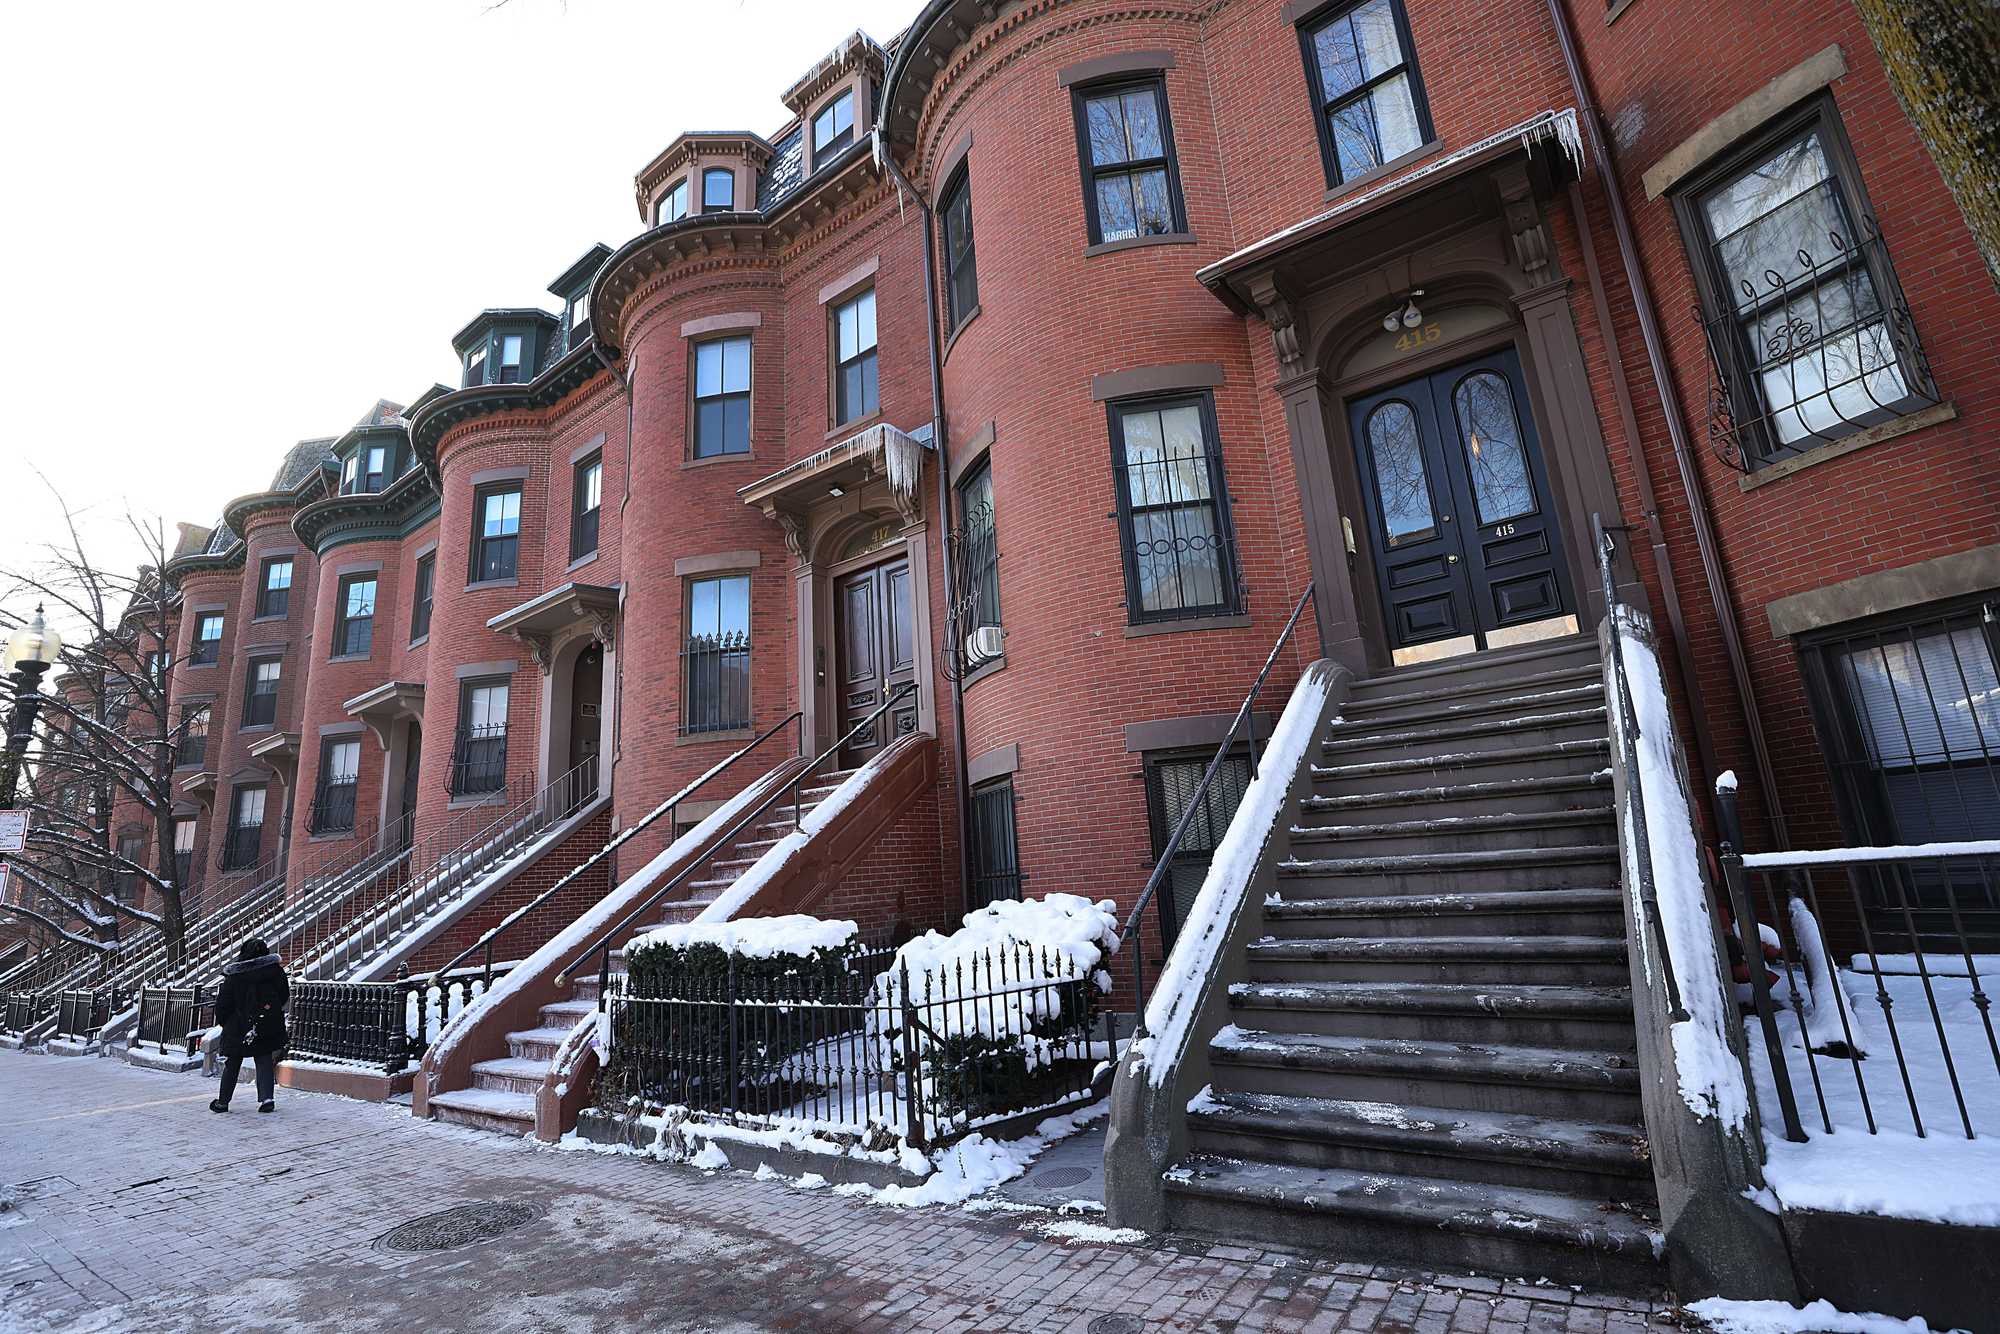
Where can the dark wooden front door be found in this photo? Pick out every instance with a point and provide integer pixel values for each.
(1460, 522)
(413, 758)
(586, 707)
(876, 649)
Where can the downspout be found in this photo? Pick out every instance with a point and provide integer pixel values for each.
(618, 659)
(959, 770)
(1606, 168)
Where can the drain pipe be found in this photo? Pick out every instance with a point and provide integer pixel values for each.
(1606, 168)
(959, 770)
(617, 740)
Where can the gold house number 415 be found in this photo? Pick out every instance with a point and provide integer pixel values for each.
(1412, 339)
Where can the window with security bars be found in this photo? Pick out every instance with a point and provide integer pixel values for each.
(479, 750)
(715, 664)
(1171, 783)
(339, 781)
(1808, 334)
(1173, 511)
(1908, 713)
(980, 555)
(246, 828)
(995, 854)
(1368, 96)
(1125, 145)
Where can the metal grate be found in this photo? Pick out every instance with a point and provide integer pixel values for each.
(468, 1223)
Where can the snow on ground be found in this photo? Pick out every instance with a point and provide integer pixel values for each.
(1075, 1229)
(1941, 1176)
(1822, 1317)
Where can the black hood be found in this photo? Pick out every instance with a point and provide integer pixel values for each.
(242, 966)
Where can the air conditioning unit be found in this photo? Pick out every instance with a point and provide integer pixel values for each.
(983, 644)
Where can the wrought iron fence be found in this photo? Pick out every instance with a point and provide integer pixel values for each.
(1941, 1068)
(23, 1011)
(384, 1025)
(864, 1046)
(715, 683)
(79, 1014)
(479, 760)
(173, 1017)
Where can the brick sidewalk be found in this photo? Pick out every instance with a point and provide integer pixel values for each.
(151, 1213)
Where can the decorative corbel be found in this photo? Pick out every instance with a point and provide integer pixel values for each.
(1288, 328)
(794, 525)
(1526, 228)
(541, 647)
(606, 626)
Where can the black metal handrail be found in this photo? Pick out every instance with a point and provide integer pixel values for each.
(1628, 736)
(602, 947)
(1245, 719)
(665, 809)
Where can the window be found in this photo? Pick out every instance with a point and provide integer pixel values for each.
(475, 365)
(420, 597)
(496, 538)
(246, 828)
(996, 861)
(673, 205)
(833, 127)
(184, 827)
(207, 640)
(980, 555)
(364, 471)
(479, 752)
(339, 779)
(1171, 780)
(157, 663)
(1368, 97)
(132, 849)
(192, 748)
(718, 190)
(722, 397)
(354, 616)
(579, 317)
(961, 275)
(1172, 509)
(1908, 712)
(1798, 292)
(260, 700)
(855, 392)
(274, 594)
(715, 666)
(586, 504)
(1131, 186)
(510, 359)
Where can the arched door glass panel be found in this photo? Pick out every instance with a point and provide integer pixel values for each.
(1400, 480)
(1502, 486)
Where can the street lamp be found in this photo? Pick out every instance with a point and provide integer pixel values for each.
(31, 650)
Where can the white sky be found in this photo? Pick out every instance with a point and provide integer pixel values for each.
(230, 225)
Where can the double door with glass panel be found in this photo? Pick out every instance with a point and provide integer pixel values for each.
(1467, 550)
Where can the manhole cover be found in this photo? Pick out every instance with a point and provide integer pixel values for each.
(1057, 1177)
(1113, 1324)
(456, 1227)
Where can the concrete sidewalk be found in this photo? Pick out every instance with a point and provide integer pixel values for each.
(135, 1208)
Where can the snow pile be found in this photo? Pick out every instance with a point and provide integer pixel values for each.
(976, 1164)
(797, 935)
(1075, 1229)
(710, 1158)
(1822, 1317)
(1833, 1025)
(1177, 995)
(1711, 1077)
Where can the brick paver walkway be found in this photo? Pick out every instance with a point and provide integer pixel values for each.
(136, 1208)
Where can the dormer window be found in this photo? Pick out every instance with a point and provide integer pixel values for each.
(475, 367)
(833, 127)
(673, 205)
(718, 190)
(579, 317)
(365, 471)
(350, 473)
(510, 359)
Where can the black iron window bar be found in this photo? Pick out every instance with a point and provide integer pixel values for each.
(996, 861)
(975, 591)
(333, 808)
(715, 677)
(239, 849)
(479, 760)
(1803, 360)
(192, 748)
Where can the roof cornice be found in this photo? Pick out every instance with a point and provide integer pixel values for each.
(682, 152)
(324, 520)
(431, 420)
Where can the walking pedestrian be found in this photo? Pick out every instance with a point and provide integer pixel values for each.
(251, 1009)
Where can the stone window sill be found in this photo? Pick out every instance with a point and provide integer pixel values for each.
(1841, 448)
(579, 562)
(273, 618)
(483, 799)
(1138, 242)
(991, 667)
(703, 738)
(196, 666)
(332, 836)
(477, 585)
(1191, 623)
(258, 727)
(420, 641)
(351, 657)
(951, 339)
(746, 456)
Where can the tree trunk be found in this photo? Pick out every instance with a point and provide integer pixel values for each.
(1943, 59)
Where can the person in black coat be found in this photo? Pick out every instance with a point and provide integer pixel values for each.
(251, 1009)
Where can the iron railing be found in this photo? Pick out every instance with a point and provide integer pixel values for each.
(863, 1044)
(22, 1013)
(191, 749)
(1644, 885)
(600, 949)
(173, 1017)
(715, 683)
(1938, 1059)
(668, 810)
(79, 1014)
(479, 760)
(1245, 723)
(383, 1025)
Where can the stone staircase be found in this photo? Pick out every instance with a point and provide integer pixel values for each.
(1431, 1057)
(502, 1096)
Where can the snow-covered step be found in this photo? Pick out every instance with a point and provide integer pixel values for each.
(1539, 792)
(1530, 912)
(1571, 1017)
(1444, 708)
(558, 1014)
(537, 1043)
(1486, 694)
(511, 1074)
(1437, 1223)
(486, 1109)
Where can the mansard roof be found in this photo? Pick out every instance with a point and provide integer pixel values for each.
(301, 462)
(586, 266)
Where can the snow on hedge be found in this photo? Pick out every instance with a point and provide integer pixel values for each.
(1710, 1076)
(796, 934)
